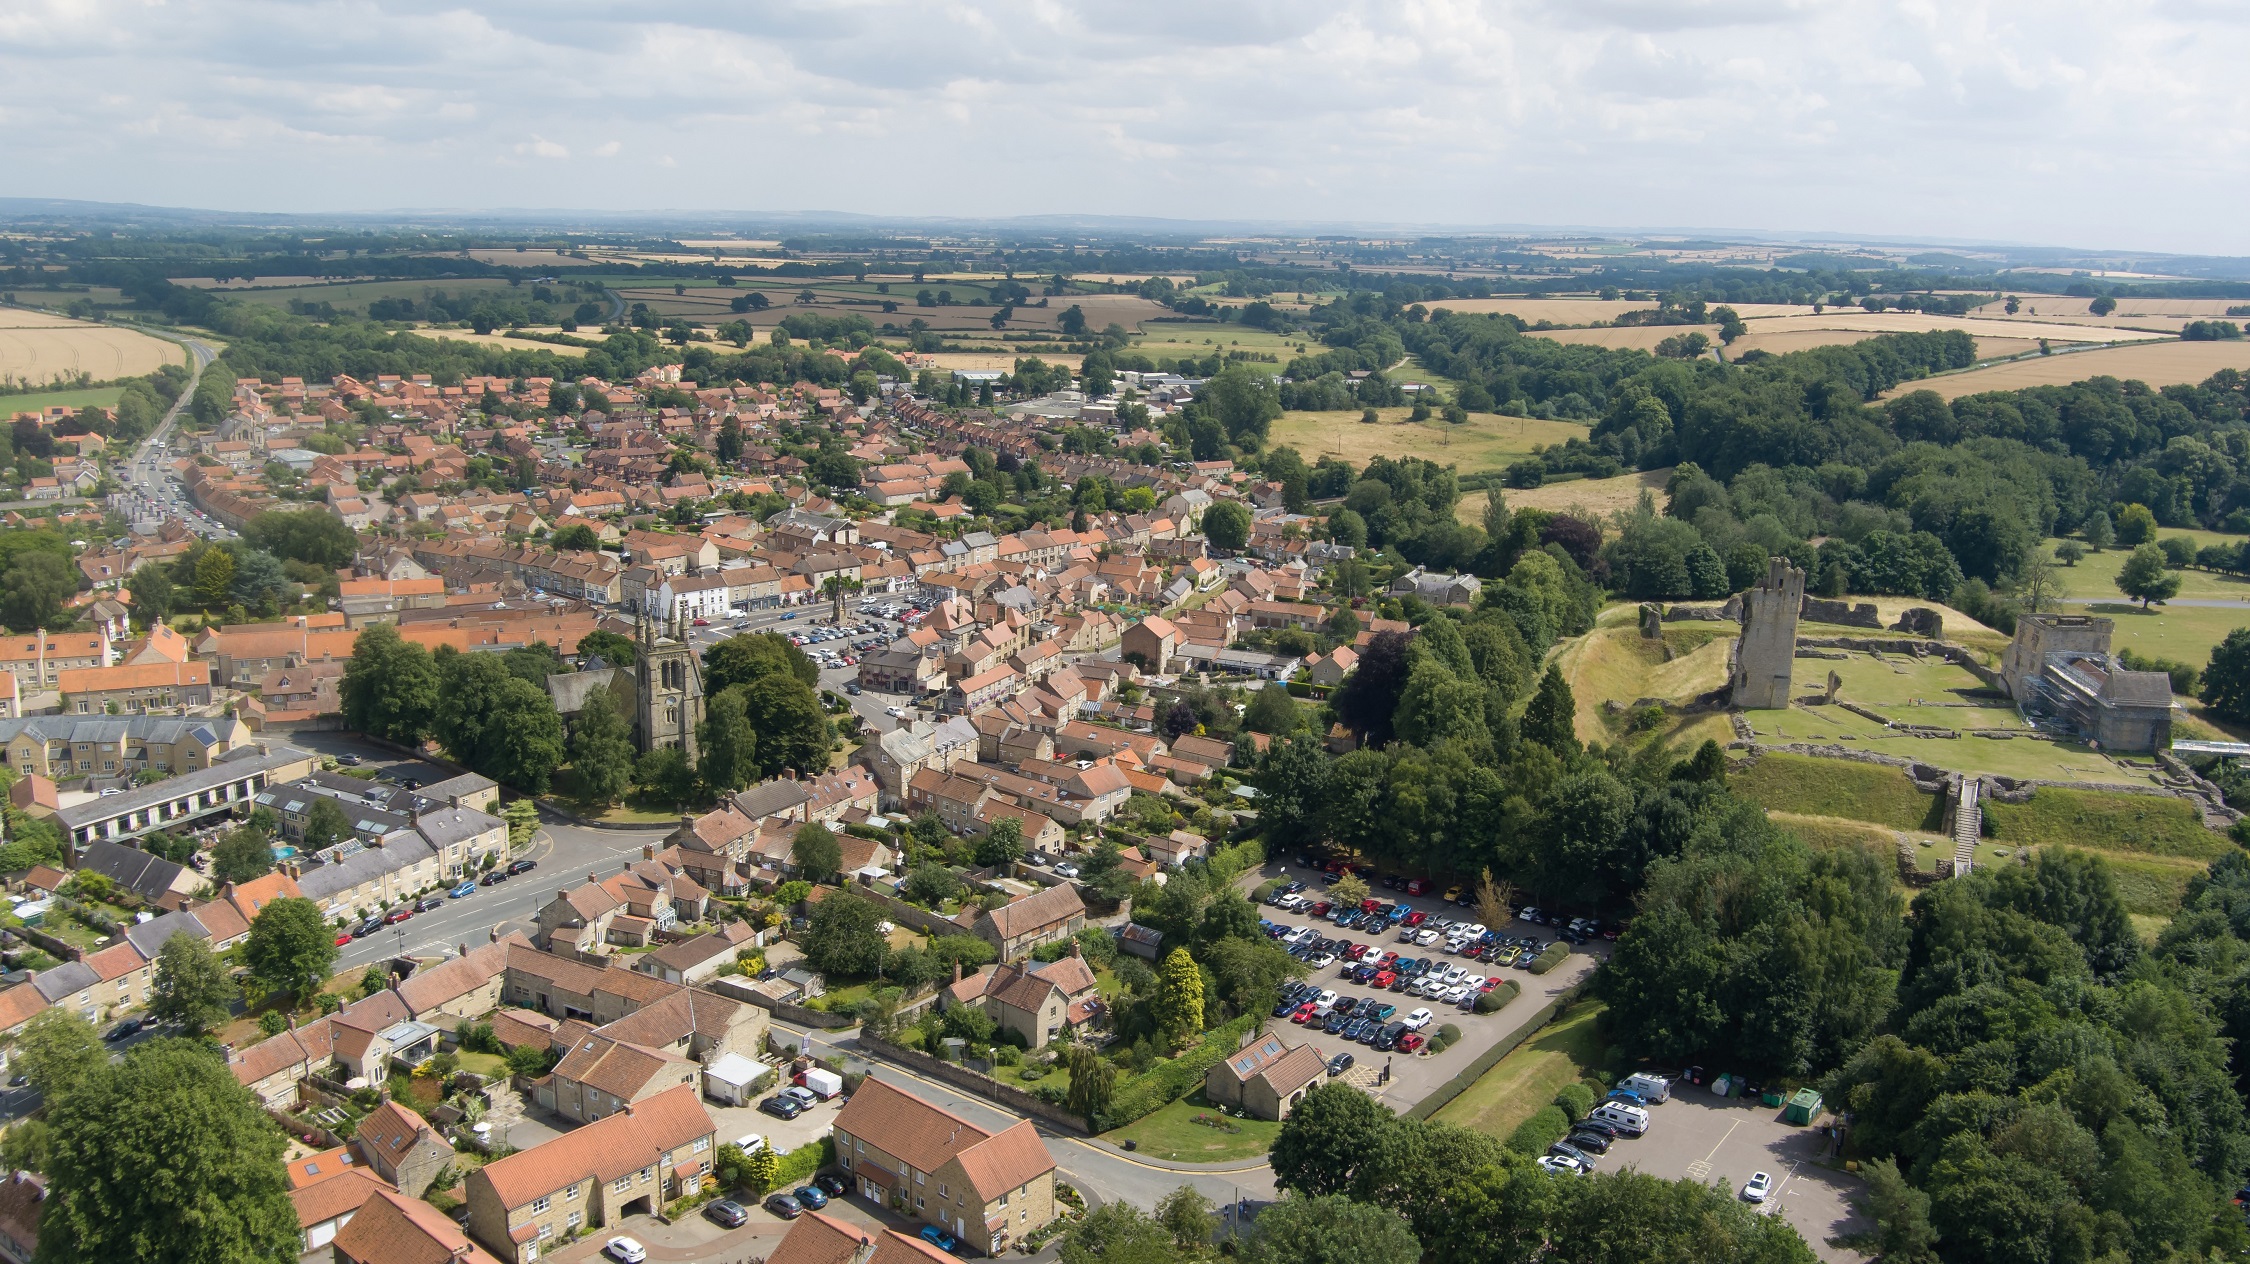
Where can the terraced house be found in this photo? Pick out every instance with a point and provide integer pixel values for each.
(986, 1188)
(62, 747)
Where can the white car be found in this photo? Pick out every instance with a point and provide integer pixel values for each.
(1322, 961)
(751, 1143)
(1066, 870)
(1453, 974)
(625, 1251)
(1475, 983)
(1419, 1019)
(1458, 993)
(1425, 939)
(1325, 1001)
(1561, 1165)
(1757, 1187)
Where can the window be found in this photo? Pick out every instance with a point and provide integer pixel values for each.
(702, 1144)
(621, 1184)
(647, 1172)
(941, 1193)
(539, 1206)
(571, 1193)
(546, 1231)
(575, 1217)
(917, 1202)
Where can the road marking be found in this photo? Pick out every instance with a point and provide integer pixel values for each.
(1697, 1170)
(1722, 1141)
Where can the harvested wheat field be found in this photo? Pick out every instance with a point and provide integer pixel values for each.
(40, 347)
(2156, 363)
(1856, 321)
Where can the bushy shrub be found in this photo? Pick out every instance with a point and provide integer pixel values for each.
(1449, 1033)
(1497, 999)
(1552, 957)
(1544, 1129)
(1575, 1100)
(1168, 1080)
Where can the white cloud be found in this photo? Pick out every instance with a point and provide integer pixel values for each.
(1967, 118)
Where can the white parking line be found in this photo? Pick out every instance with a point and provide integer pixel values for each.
(1722, 1140)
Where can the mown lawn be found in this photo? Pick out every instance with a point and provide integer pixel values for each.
(1527, 1079)
(2106, 821)
(1834, 787)
(1171, 1133)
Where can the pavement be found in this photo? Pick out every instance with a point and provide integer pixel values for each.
(1699, 1137)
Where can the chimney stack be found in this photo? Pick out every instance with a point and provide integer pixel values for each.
(956, 970)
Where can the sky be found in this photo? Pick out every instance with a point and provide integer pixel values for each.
(2114, 124)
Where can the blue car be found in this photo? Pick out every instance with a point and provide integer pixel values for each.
(938, 1238)
(810, 1197)
(466, 889)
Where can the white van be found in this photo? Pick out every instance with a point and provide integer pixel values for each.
(1651, 1088)
(1629, 1120)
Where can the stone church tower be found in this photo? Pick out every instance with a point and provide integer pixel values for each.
(667, 687)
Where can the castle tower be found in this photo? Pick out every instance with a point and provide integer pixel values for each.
(667, 687)
(1765, 655)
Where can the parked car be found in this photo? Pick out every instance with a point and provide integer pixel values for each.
(625, 1251)
(782, 1107)
(1569, 1151)
(1590, 1142)
(522, 866)
(1411, 1041)
(830, 1184)
(1560, 1165)
(1339, 1064)
(493, 879)
(349, 760)
(463, 891)
(428, 902)
(1419, 1019)
(397, 915)
(785, 1207)
(367, 927)
(1757, 1187)
(727, 1213)
(125, 1030)
(938, 1238)
(1387, 1039)
(343, 937)
(811, 1196)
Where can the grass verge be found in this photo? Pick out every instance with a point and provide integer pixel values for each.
(1838, 788)
(1171, 1132)
(1568, 1051)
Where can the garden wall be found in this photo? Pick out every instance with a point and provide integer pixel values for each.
(983, 1086)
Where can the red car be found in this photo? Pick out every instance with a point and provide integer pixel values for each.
(702, 623)
(1415, 886)
(1305, 1013)
(1411, 1041)
(1320, 909)
(1382, 980)
(397, 915)
(1370, 904)
(1417, 917)
(1385, 961)
(1333, 866)
(343, 937)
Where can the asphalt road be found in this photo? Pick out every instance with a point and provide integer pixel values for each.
(565, 853)
(148, 495)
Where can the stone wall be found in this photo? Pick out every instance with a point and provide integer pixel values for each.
(1863, 615)
(984, 1086)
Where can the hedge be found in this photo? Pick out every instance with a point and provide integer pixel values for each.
(1267, 888)
(1544, 1129)
(1576, 1100)
(1497, 999)
(1483, 1062)
(1552, 957)
(798, 1165)
(1173, 1078)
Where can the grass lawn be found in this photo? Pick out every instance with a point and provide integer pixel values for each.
(1486, 441)
(1171, 1133)
(489, 1065)
(2095, 576)
(92, 397)
(1835, 788)
(1527, 1079)
(2139, 823)
(1613, 661)
(1834, 831)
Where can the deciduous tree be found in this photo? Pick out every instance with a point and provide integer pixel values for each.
(291, 947)
(192, 988)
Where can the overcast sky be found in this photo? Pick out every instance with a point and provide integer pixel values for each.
(2114, 123)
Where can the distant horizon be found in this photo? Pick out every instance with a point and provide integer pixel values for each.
(591, 219)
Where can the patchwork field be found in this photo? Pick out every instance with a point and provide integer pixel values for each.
(1582, 311)
(355, 295)
(40, 347)
(1590, 498)
(1485, 442)
(971, 311)
(1856, 321)
(1171, 340)
(2156, 363)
